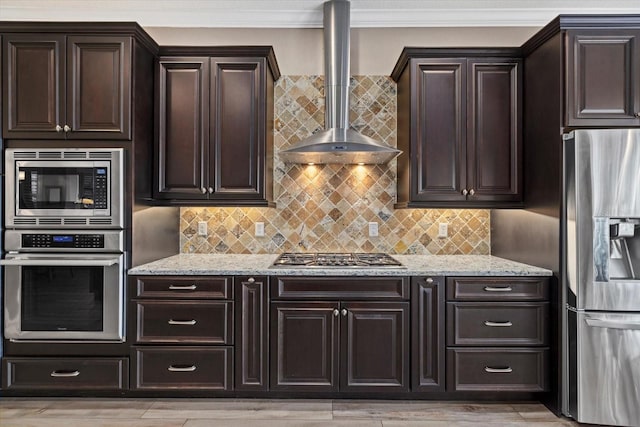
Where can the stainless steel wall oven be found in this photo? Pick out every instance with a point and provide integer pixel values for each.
(64, 286)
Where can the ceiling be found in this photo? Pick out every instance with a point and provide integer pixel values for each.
(308, 13)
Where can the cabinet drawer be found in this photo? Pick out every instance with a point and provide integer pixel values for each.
(497, 369)
(343, 288)
(69, 373)
(208, 322)
(497, 288)
(184, 287)
(182, 368)
(494, 324)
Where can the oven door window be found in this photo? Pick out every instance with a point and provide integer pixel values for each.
(68, 298)
(67, 188)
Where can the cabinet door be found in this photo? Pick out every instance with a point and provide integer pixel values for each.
(183, 128)
(494, 140)
(304, 346)
(428, 347)
(251, 368)
(438, 133)
(98, 87)
(237, 121)
(33, 86)
(603, 84)
(375, 347)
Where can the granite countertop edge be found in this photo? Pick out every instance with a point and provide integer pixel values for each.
(259, 265)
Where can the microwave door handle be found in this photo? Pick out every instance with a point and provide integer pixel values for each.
(59, 262)
(612, 324)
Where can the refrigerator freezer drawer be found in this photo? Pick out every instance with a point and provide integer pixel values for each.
(608, 368)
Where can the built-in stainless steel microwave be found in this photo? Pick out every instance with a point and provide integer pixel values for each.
(67, 188)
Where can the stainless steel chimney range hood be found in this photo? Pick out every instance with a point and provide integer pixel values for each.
(338, 144)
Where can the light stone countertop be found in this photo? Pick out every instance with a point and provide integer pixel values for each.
(258, 265)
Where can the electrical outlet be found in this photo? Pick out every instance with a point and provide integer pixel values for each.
(443, 229)
(259, 229)
(202, 228)
(373, 229)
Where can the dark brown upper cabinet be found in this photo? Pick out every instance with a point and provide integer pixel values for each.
(459, 127)
(215, 126)
(603, 84)
(61, 86)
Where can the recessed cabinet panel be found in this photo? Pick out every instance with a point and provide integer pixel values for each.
(375, 337)
(183, 147)
(252, 338)
(65, 373)
(304, 346)
(440, 131)
(428, 334)
(494, 138)
(603, 86)
(98, 70)
(33, 98)
(236, 129)
(182, 368)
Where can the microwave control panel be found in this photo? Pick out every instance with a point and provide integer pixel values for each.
(78, 241)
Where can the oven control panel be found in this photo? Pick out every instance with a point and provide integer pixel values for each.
(78, 241)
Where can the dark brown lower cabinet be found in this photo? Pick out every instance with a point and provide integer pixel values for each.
(497, 334)
(65, 373)
(498, 369)
(251, 331)
(333, 346)
(428, 334)
(187, 367)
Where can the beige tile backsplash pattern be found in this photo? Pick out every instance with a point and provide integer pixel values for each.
(327, 208)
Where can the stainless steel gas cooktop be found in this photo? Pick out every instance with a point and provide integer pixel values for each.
(377, 260)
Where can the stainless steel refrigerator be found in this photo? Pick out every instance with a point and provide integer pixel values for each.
(601, 254)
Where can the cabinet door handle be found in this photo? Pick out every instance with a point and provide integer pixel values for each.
(344, 311)
(464, 192)
(336, 312)
(429, 280)
(498, 288)
(58, 128)
(203, 190)
(182, 287)
(472, 192)
(181, 368)
(251, 280)
(65, 374)
(67, 128)
(491, 370)
(182, 322)
(210, 190)
(497, 324)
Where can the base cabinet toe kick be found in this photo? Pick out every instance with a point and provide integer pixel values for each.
(422, 337)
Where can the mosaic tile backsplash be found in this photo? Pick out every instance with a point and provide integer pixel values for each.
(327, 208)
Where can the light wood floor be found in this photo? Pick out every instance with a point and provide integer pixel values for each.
(27, 412)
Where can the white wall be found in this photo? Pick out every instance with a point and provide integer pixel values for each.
(374, 51)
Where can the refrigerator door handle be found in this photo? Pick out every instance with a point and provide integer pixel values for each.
(612, 324)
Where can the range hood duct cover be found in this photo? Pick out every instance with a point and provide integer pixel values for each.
(338, 143)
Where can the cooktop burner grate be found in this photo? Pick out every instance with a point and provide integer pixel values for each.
(336, 260)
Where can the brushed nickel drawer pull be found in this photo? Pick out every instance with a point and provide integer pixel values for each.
(498, 288)
(65, 374)
(178, 368)
(182, 322)
(491, 370)
(182, 287)
(497, 324)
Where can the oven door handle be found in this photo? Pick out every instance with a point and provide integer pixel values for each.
(60, 262)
